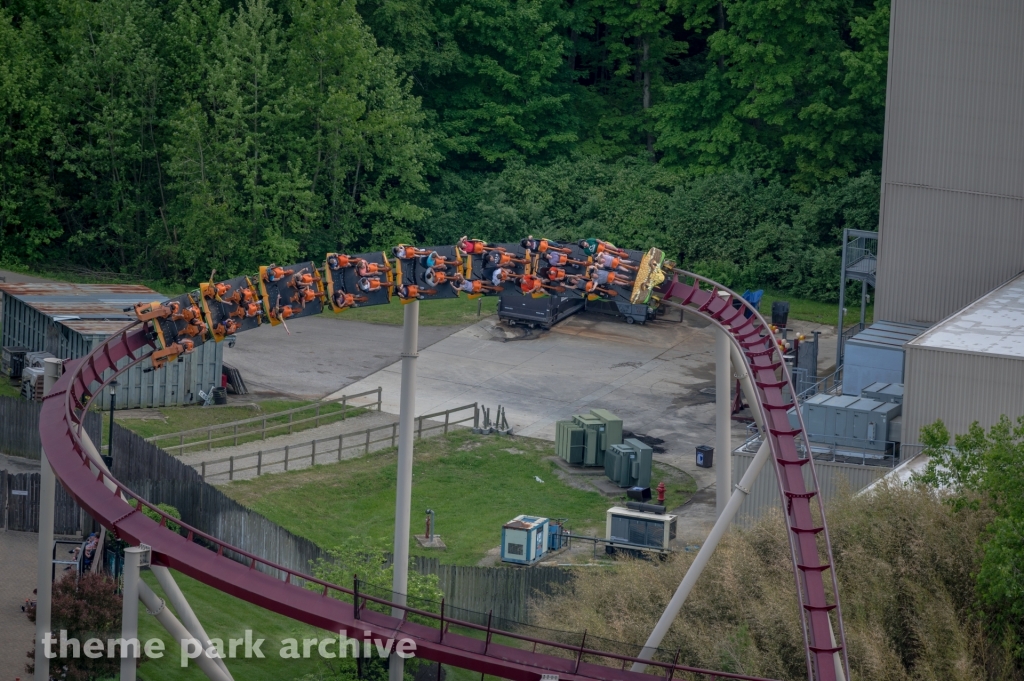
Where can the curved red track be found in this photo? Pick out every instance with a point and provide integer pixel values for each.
(63, 411)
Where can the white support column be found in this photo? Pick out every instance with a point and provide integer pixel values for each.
(703, 556)
(403, 497)
(723, 421)
(156, 607)
(44, 570)
(130, 613)
(184, 610)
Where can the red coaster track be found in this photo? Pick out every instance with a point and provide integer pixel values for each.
(60, 427)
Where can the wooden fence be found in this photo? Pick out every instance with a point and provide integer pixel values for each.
(197, 442)
(329, 449)
(19, 506)
(19, 427)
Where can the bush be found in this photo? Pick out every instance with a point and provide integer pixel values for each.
(166, 508)
(86, 607)
(906, 564)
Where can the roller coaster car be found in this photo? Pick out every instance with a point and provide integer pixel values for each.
(291, 291)
(231, 306)
(424, 273)
(650, 275)
(344, 275)
(178, 326)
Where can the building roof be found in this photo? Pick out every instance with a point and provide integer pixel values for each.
(525, 522)
(892, 335)
(991, 325)
(89, 309)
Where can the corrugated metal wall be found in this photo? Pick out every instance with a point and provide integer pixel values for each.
(764, 493)
(959, 388)
(177, 383)
(952, 212)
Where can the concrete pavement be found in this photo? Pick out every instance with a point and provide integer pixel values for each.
(18, 566)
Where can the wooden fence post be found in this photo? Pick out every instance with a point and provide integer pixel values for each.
(236, 434)
(209, 439)
(367, 441)
(231, 470)
(419, 428)
(317, 422)
(259, 463)
(394, 433)
(379, 401)
(447, 414)
(344, 407)
(289, 423)
(312, 457)
(341, 440)
(203, 474)
(286, 457)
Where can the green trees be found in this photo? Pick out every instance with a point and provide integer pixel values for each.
(988, 468)
(167, 139)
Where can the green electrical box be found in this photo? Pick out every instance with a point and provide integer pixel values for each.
(595, 438)
(641, 473)
(570, 442)
(612, 427)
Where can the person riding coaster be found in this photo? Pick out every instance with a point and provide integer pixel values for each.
(502, 259)
(460, 283)
(474, 246)
(607, 277)
(542, 246)
(501, 275)
(435, 260)
(406, 252)
(337, 261)
(216, 290)
(414, 292)
(370, 285)
(371, 269)
(559, 259)
(530, 284)
(610, 262)
(436, 277)
(241, 295)
(303, 295)
(594, 246)
(229, 327)
(552, 274)
(344, 300)
(275, 273)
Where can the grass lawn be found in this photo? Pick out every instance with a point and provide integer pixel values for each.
(815, 311)
(473, 483)
(225, 617)
(189, 417)
(449, 312)
(8, 389)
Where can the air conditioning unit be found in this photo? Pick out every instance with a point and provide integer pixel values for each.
(626, 528)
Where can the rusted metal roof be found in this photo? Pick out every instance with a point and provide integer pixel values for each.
(88, 309)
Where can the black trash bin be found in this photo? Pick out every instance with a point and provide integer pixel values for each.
(705, 456)
(780, 313)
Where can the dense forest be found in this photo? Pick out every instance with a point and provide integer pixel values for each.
(166, 138)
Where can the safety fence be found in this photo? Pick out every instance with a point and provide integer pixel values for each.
(256, 428)
(493, 629)
(19, 427)
(331, 449)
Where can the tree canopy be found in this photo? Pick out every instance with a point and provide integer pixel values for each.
(166, 139)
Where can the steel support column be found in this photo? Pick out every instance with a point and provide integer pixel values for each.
(403, 496)
(44, 569)
(723, 421)
(130, 613)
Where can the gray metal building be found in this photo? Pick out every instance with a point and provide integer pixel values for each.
(969, 367)
(68, 320)
(952, 209)
(876, 355)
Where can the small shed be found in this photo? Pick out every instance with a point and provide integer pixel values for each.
(875, 355)
(69, 320)
(968, 367)
(524, 539)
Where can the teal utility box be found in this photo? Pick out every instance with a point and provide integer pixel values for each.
(570, 442)
(594, 453)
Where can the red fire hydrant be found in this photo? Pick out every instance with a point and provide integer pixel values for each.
(661, 493)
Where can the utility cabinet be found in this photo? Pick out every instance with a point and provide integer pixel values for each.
(524, 539)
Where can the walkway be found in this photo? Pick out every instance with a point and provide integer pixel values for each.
(18, 566)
